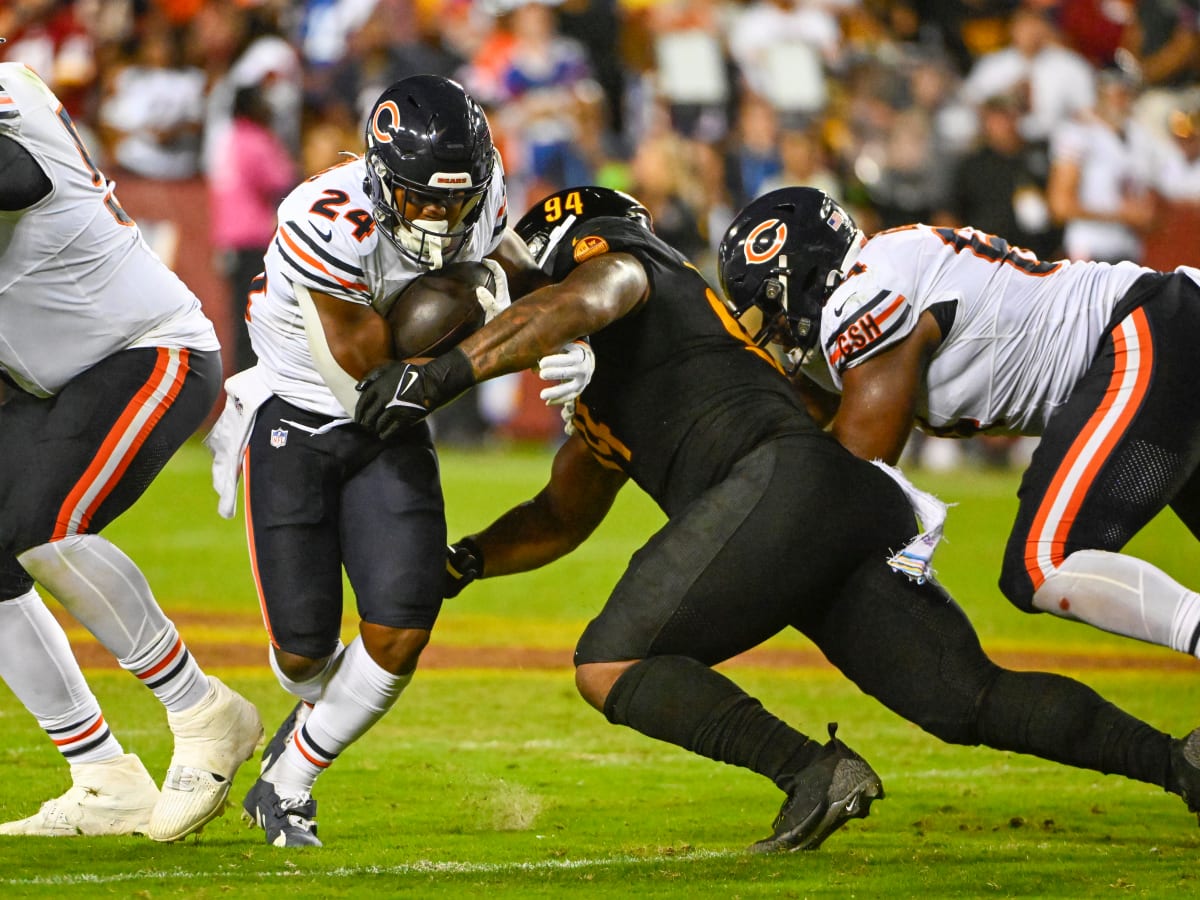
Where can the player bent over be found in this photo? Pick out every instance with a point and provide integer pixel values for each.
(959, 331)
(771, 524)
(111, 366)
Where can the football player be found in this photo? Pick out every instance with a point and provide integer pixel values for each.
(110, 365)
(771, 524)
(321, 492)
(965, 334)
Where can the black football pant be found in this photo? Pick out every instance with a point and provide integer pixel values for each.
(799, 535)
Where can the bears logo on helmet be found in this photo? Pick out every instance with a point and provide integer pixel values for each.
(784, 254)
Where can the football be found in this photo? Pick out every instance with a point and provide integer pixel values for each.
(437, 310)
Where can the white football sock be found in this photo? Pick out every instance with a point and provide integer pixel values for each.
(1124, 595)
(37, 664)
(103, 588)
(355, 698)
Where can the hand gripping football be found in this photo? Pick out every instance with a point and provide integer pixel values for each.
(439, 309)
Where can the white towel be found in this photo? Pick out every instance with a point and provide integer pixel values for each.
(245, 392)
(915, 559)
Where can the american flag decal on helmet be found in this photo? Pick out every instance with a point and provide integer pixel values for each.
(835, 220)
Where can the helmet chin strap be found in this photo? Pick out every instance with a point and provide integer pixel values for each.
(427, 246)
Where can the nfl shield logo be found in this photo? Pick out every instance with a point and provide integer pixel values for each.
(278, 437)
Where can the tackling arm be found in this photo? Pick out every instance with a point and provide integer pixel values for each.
(598, 292)
(879, 395)
(566, 511)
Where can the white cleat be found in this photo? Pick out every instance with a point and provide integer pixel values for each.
(212, 739)
(116, 796)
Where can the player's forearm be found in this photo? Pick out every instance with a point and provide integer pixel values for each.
(534, 326)
(523, 539)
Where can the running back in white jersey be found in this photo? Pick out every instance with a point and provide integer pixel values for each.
(77, 282)
(1023, 330)
(328, 242)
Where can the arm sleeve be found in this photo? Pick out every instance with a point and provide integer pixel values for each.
(24, 182)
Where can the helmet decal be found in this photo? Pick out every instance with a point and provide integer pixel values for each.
(378, 132)
(587, 247)
(763, 231)
(428, 142)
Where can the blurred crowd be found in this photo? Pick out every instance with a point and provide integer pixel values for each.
(1069, 127)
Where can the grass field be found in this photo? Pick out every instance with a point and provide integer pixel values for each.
(491, 778)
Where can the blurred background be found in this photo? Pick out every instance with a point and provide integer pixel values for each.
(1069, 127)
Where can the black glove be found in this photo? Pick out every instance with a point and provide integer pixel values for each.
(464, 563)
(398, 395)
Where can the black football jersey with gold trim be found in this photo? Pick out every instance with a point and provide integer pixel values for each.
(680, 392)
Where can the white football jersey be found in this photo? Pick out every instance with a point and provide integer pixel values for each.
(328, 242)
(77, 282)
(1023, 330)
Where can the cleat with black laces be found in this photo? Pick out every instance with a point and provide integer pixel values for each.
(288, 822)
(1185, 770)
(837, 787)
(283, 734)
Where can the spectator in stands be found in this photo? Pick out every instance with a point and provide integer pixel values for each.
(1000, 186)
(804, 162)
(152, 118)
(251, 51)
(253, 171)
(51, 38)
(661, 179)
(1181, 174)
(1103, 170)
(545, 81)
(388, 46)
(1057, 82)
(690, 69)
(754, 156)
(782, 49)
(1164, 40)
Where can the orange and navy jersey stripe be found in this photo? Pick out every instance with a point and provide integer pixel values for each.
(122, 443)
(1045, 545)
(868, 328)
(310, 261)
(8, 106)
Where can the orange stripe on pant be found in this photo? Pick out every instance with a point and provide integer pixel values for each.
(262, 603)
(1076, 474)
(122, 443)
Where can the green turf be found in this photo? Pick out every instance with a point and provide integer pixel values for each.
(502, 783)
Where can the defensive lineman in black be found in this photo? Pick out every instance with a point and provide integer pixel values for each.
(771, 524)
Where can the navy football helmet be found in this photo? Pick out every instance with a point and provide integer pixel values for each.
(550, 218)
(785, 253)
(427, 142)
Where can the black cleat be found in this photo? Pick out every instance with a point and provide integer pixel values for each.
(837, 787)
(1185, 770)
(288, 823)
(283, 734)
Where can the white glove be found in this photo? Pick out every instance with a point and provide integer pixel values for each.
(571, 367)
(494, 302)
